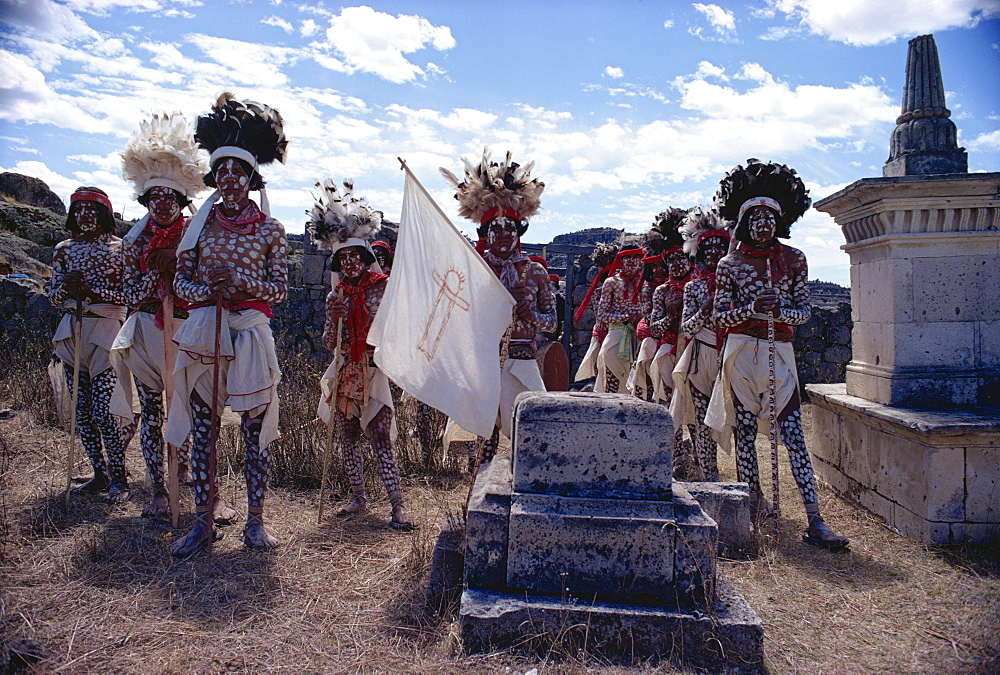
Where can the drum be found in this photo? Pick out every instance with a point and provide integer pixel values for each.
(554, 366)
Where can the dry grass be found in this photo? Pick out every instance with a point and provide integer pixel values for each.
(97, 591)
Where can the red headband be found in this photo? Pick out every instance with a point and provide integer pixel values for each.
(652, 259)
(495, 211)
(91, 196)
(540, 260)
(713, 233)
(382, 244)
(628, 253)
(672, 249)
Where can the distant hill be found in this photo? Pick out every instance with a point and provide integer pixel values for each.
(589, 237)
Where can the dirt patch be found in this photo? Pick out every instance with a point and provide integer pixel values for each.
(94, 589)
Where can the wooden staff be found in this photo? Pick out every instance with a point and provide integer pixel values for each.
(215, 421)
(772, 409)
(169, 358)
(74, 397)
(332, 435)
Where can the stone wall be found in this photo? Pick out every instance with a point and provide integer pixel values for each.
(26, 316)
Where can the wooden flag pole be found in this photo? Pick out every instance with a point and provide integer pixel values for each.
(74, 398)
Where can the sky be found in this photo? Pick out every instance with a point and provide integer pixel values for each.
(626, 107)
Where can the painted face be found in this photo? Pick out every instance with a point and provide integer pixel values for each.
(163, 206)
(712, 250)
(762, 224)
(381, 256)
(86, 216)
(351, 265)
(502, 235)
(233, 183)
(678, 264)
(632, 264)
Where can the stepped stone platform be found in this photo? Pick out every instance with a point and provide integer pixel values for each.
(582, 535)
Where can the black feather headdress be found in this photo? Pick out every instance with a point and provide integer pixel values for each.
(665, 233)
(757, 180)
(492, 188)
(253, 127)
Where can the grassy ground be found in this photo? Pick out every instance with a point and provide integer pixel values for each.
(94, 590)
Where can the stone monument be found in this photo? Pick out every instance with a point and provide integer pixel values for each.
(914, 434)
(582, 538)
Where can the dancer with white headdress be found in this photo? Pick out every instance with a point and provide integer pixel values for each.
(355, 392)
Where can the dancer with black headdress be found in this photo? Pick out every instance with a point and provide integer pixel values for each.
(764, 282)
(231, 267)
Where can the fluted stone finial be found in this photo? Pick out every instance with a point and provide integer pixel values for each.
(924, 141)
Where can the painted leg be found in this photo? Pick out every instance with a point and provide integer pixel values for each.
(747, 470)
(612, 382)
(151, 443)
(354, 465)
(257, 470)
(103, 386)
(90, 435)
(204, 529)
(705, 447)
(378, 432)
(818, 532)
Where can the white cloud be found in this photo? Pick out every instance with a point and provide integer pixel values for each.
(247, 62)
(668, 24)
(278, 22)
(614, 73)
(308, 28)
(722, 22)
(984, 142)
(707, 69)
(375, 42)
(869, 22)
(44, 17)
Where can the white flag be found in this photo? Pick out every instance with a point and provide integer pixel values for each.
(439, 325)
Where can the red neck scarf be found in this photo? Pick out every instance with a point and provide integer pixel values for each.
(249, 216)
(358, 319)
(163, 237)
(774, 252)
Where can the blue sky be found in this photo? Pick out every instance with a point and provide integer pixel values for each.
(626, 107)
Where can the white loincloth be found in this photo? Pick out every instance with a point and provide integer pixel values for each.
(640, 377)
(138, 351)
(608, 359)
(744, 373)
(661, 370)
(517, 375)
(248, 370)
(588, 367)
(379, 395)
(697, 368)
(97, 336)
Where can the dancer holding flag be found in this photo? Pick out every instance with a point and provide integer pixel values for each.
(353, 387)
(500, 198)
(87, 272)
(231, 267)
(760, 202)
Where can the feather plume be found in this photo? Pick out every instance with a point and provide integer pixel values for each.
(492, 185)
(665, 232)
(758, 179)
(340, 215)
(164, 149)
(697, 222)
(255, 127)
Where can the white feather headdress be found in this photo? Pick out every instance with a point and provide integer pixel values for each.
(163, 153)
(340, 219)
(491, 188)
(697, 222)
